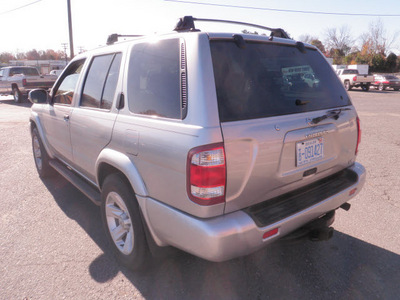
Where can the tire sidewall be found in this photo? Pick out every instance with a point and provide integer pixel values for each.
(138, 257)
(46, 170)
(17, 95)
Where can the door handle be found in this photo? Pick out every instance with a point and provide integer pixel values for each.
(66, 118)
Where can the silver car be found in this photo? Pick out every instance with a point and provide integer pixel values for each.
(194, 140)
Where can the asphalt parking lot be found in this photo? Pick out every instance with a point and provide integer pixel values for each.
(52, 244)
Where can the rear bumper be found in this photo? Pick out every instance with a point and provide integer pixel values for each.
(234, 234)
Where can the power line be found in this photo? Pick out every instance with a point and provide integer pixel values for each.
(284, 10)
(14, 9)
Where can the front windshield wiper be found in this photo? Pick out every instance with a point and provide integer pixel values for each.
(334, 114)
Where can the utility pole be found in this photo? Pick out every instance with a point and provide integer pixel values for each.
(65, 45)
(71, 39)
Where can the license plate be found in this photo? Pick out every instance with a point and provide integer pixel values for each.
(309, 151)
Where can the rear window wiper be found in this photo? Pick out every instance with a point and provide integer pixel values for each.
(334, 114)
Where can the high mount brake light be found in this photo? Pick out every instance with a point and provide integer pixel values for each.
(206, 174)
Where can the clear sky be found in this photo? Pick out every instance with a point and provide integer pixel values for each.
(43, 24)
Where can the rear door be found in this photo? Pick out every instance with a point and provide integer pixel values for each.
(281, 130)
(93, 120)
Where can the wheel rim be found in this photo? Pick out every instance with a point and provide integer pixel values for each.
(37, 152)
(347, 85)
(119, 223)
(381, 87)
(16, 96)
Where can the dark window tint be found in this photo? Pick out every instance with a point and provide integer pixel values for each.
(153, 80)
(265, 80)
(355, 72)
(111, 83)
(95, 81)
(65, 90)
(24, 71)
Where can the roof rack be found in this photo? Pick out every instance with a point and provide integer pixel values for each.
(187, 24)
(112, 38)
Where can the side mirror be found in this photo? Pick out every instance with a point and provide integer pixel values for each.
(38, 96)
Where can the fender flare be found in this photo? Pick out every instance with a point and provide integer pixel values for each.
(34, 120)
(125, 165)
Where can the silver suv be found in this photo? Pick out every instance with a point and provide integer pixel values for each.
(213, 143)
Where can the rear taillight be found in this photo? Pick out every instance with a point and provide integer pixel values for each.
(24, 82)
(206, 174)
(358, 134)
(355, 78)
(385, 82)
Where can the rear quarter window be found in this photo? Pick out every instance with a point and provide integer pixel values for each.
(264, 80)
(154, 79)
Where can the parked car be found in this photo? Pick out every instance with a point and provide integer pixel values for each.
(56, 72)
(382, 82)
(193, 140)
(351, 78)
(19, 81)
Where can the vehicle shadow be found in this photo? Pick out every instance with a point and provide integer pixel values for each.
(25, 103)
(341, 268)
(372, 90)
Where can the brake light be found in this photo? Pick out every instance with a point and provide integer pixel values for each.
(385, 82)
(24, 82)
(358, 134)
(206, 174)
(355, 78)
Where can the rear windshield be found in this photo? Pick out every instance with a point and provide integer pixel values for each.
(264, 80)
(24, 71)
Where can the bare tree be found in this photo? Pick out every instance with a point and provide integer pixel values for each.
(339, 40)
(307, 38)
(377, 39)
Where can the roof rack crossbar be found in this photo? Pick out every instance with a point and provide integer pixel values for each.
(187, 24)
(112, 38)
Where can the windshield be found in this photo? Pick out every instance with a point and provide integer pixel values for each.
(264, 80)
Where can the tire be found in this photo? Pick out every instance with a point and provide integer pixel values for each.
(365, 87)
(17, 95)
(396, 89)
(381, 87)
(347, 85)
(40, 156)
(123, 223)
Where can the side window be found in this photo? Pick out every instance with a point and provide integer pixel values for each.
(101, 81)
(65, 90)
(154, 79)
(111, 83)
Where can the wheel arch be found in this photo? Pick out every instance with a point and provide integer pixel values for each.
(111, 161)
(34, 122)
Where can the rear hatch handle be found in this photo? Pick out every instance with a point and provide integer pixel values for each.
(330, 114)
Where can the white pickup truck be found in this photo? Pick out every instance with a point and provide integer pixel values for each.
(351, 78)
(19, 81)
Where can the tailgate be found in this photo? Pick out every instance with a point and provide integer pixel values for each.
(268, 157)
(364, 78)
(276, 104)
(39, 82)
